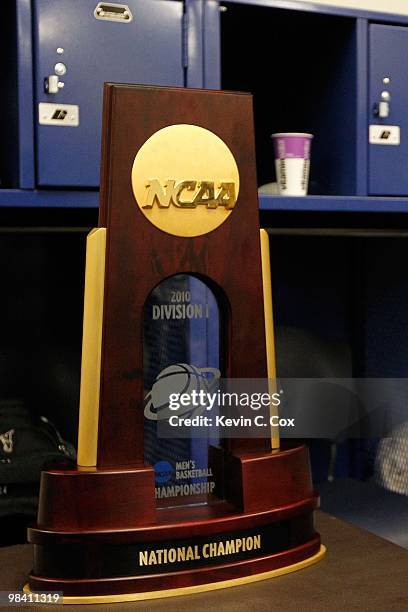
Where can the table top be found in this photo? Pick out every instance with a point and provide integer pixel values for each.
(360, 572)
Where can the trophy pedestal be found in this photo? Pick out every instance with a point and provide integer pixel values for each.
(99, 535)
(95, 498)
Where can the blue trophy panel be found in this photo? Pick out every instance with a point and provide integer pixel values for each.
(388, 118)
(181, 353)
(78, 47)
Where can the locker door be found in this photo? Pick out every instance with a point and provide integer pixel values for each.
(388, 135)
(81, 44)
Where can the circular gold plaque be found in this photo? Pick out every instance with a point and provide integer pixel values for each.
(185, 180)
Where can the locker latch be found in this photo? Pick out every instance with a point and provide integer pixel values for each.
(52, 84)
(382, 109)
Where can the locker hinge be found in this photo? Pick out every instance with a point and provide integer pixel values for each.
(185, 40)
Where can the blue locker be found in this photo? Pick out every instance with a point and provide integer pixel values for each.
(77, 46)
(388, 116)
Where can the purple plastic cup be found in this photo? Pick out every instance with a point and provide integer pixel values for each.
(292, 162)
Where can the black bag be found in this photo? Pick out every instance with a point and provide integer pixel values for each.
(27, 446)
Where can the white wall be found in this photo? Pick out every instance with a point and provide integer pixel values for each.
(383, 6)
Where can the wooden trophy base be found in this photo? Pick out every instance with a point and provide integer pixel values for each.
(98, 539)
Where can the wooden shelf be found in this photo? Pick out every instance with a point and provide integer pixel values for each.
(334, 204)
(20, 198)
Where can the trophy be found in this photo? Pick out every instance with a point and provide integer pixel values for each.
(177, 299)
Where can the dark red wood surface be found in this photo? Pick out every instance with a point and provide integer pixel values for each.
(139, 255)
(274, 486)
(182, 578)
(256, 482)
(97, 499)
(88, 510)
(189, 523)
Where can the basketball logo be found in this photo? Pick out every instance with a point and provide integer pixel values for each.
(178, 379)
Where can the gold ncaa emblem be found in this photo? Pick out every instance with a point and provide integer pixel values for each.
(185, 180)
